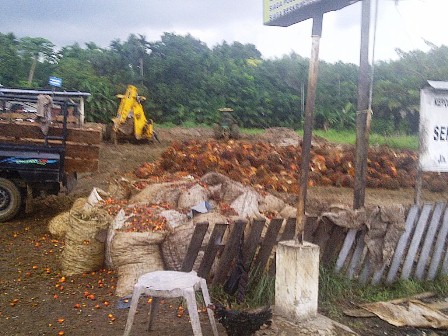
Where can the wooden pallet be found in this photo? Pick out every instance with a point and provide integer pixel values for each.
(259, 245)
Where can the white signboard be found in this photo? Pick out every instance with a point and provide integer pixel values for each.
(288, 12)
(433, 155)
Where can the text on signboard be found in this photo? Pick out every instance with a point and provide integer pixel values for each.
(281, 8)
(440, 133)
(441, 102)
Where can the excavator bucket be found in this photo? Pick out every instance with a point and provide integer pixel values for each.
(131, 117)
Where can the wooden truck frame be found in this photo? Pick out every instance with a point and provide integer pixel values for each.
(33, 163)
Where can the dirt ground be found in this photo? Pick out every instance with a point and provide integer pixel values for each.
(35, 299)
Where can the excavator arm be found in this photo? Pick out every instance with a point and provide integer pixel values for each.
(131, 112)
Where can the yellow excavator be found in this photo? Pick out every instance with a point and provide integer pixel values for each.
(131, 118)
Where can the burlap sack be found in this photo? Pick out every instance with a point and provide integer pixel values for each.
(116, 224)
(129, 273)
(82, 252)
(227, 189)
(161, 193)
(120, 189)
(59, 224)
(384, 224)
(192, 196)
(246, 205)
(271, 203)
(135, 247)
(288, 212)
(173, 218)
(132, 254)
(95, 196)
(174, 247)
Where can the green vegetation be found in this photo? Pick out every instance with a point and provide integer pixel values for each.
(336, 291)
(185, 81)
(397, 141)
(260, 292)
(252, 131)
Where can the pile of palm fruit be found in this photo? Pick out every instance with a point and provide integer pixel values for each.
(269, 167)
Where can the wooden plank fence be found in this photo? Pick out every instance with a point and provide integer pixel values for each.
(421, 252)
(260, 240)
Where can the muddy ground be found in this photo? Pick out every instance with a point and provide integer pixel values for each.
(35, 299)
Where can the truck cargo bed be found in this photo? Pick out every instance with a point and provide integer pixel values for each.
(81, 147)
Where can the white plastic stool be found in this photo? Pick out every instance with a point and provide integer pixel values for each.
(170, 284)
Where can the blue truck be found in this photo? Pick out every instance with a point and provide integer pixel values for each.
(32, 169)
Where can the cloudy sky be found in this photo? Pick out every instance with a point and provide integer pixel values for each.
(404, 24)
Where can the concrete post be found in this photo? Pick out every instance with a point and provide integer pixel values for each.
(81, 110)
(297, 280)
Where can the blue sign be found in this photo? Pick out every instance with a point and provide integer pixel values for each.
(55, 81)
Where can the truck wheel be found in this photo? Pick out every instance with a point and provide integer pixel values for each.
(10, 200)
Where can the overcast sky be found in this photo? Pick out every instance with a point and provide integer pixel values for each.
(403, 24)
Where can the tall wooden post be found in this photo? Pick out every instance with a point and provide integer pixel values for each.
(418, 186)
(308, 125)
(363, 115)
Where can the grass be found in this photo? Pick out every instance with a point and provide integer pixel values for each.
(260, 292)
(398, 141)
(187, 124)
(349, 137)
(336, 291)
(252, 131)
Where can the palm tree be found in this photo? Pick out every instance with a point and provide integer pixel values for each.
(33, 48)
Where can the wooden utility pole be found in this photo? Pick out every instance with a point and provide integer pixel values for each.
(363, 115)
(308, 125)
